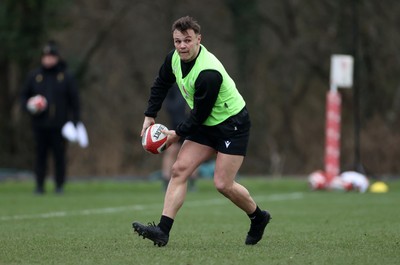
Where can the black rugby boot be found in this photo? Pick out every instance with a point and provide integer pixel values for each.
(257, 229)
(151, 231)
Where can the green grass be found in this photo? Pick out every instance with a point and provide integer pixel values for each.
(91, 224)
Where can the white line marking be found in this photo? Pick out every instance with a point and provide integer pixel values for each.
(110, 210)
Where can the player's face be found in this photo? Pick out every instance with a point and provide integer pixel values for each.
(187, 44)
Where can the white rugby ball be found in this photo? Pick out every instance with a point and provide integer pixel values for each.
(317, 180)
(153, 140)
(37, 104)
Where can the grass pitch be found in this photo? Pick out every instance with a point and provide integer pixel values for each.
(91, 224)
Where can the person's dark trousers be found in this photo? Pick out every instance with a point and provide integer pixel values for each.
(49, 139)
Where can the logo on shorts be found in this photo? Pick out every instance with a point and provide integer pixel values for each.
(227, 143)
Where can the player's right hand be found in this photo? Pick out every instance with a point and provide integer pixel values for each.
(146, 123)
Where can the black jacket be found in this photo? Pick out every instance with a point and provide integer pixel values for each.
(59, 88)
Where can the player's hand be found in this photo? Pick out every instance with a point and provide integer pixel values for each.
(146, 123)
(172, 137)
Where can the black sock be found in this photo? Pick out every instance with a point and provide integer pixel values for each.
(256, 215)
(166, 224)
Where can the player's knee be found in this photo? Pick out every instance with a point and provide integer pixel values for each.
(178, 170)
(223, 187)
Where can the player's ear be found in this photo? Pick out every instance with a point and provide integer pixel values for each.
(199, 38)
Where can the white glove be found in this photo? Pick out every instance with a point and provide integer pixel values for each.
(76, 134)
(83, 139)
(69, 132)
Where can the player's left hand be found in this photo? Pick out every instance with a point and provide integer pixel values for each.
(172, 137)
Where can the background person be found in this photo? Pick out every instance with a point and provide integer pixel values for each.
(218, 124)
(52, 82)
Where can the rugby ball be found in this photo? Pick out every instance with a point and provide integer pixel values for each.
(37, 104)
(153, 140)
(317, 180)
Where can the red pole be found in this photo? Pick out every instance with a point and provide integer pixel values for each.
(332, 134)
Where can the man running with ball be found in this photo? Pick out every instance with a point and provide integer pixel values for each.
(218, 124)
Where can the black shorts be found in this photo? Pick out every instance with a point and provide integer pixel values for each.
(229, 137)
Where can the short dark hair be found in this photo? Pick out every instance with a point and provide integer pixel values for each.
(184, 23)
